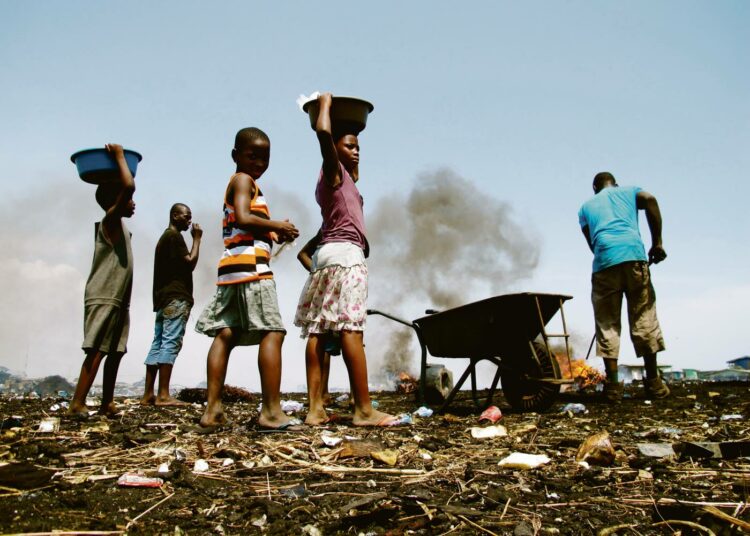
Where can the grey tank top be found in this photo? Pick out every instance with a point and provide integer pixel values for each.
(111, 279)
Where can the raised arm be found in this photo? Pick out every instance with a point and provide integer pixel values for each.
(244, 188)
(126, 183)
(324, 131)
(307, 251)
(646, 201)
(192, 258)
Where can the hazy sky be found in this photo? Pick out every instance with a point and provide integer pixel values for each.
(525, 101)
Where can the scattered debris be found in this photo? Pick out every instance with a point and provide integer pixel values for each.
(656, 450)
(388, 456)
(230, 394)
(520, 460)
(478, 432)
(402, 419)
(432, 477)
(597, 449)
(492, 414)
(138, 480)
(573, 408)
(49, 425)
(200, 466)
(330, 440)
(291, 406)
(423, 412)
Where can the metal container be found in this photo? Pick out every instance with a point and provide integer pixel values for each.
(347, 113)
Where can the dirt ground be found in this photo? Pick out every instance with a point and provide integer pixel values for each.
(442, 481)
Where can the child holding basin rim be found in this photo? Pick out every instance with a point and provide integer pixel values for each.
(335, 294)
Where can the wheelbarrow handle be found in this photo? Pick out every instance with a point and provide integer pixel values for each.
(394, 318)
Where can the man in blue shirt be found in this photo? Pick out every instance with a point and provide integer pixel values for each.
(609, 221)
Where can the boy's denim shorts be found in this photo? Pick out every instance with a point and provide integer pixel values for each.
(249, 309)
(169, 330)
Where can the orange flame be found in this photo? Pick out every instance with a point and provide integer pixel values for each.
(406, 383)
(577, 369)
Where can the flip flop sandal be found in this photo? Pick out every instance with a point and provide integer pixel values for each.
(292, 425)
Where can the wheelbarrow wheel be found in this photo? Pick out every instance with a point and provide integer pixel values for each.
(520, 383)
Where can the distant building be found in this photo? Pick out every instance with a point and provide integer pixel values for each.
(726, 375)
(673, 375)
(635, 373)
(741, 362)
(689, 374)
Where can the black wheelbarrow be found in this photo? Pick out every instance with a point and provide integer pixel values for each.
(507, 330)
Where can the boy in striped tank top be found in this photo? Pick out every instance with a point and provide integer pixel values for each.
(244, 310)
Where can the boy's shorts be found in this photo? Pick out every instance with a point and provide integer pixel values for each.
(249, 309)
(105, 328)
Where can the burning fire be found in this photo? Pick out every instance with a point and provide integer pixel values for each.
(406, 383)
(583, 374)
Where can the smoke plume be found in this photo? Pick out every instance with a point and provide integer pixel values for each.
(443, 244)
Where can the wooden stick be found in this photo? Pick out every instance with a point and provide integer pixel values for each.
(696, 526)
(136, 518)
(726, 517)
(383, 470)
(336, 469)
(666, 500)
(479, 527)
(68, 533)
(606, 531)
(507, 504)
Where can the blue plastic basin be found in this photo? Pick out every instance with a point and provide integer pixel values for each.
(97, 165)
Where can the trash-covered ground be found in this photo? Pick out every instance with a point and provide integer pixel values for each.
(675, 466)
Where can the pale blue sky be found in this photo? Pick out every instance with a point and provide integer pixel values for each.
(526, 100)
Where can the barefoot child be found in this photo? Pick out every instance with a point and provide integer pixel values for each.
(333, 300)
(244, 310)
(107, 295)
(173, 299)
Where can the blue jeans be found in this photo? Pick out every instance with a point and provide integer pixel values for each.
(169, 329)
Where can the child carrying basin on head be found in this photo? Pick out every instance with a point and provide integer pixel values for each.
(335, 294)
(107, 296)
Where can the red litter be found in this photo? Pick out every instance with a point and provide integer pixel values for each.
(491, 414)
(134, 480)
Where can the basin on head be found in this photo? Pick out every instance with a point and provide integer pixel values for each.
(348, 114)
(96, 166)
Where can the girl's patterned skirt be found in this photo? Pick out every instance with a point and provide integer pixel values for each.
(335, 295)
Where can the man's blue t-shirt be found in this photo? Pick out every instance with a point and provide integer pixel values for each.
(612, 219)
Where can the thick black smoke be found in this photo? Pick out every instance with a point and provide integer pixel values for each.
(441, 245)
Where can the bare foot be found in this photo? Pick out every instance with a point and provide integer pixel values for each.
(373, 418)
(147, 400)
(315, 418)
(213, 419)
(110, 410)
(78, 410)
(170, 401)
(327, 399)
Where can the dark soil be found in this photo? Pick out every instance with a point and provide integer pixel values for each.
(444, 480)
